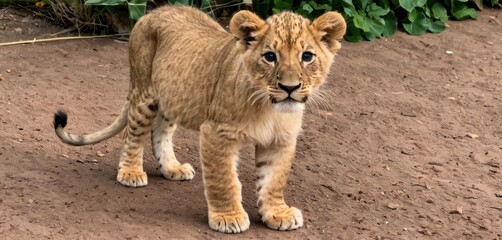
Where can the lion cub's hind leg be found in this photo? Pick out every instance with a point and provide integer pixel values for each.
(162, 143)
(140, 117)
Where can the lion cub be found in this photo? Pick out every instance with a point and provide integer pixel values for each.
(246, 86)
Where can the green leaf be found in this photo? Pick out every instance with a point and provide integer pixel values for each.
(136, 10)
(437, 27)
(205, 4)
(369, 36)
(353, 34)
(420, 3)
(182, 2)
(349, 11)
(427, 12)
(408, 5)
(479, 4)
(413, 15)
(307, 8)
(390, 24)
(364, 3)
(461, 12)
(419, 26)
(375, 26)
(283, 5)
(105, 2)
(376, 11)
(324, 7)
(347, 3)
(384, 3)
(360, 23)
(439, 12)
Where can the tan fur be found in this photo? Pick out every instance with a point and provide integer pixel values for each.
(186, 70)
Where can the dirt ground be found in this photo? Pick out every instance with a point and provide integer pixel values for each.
(410, 149)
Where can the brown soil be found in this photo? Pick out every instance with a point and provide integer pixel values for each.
(410, 150)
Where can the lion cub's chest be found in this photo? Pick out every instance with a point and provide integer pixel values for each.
(274, 128)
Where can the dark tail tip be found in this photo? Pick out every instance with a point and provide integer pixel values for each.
(60, 118)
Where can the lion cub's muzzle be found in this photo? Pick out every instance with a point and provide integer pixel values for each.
(289, 94)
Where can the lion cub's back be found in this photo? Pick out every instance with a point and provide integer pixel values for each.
(182, 19)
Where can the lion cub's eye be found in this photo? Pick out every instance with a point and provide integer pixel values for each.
(270, 57)
(307, 57)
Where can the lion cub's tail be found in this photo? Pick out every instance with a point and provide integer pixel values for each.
(61, 119)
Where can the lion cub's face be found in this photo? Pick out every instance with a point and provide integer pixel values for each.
(287, 56)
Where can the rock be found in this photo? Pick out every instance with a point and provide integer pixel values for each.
(62, 51)
(435, 163)
(408, 114)
(472, 135)
(425, 232)
(459, 210)
(392, 206)
(100, 154)
(449, 52)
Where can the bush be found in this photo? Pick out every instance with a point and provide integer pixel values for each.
(366, 19)
(369, 19)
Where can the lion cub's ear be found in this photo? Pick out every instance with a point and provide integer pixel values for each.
(245, 25)
(330, 28)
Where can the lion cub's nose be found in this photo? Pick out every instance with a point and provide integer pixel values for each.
(288, 88)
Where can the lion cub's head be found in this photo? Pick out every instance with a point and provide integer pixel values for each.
(287, 57)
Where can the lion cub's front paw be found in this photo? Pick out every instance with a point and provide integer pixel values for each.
(180, 172)
(132, 178)
(233, 222)
(283, 219)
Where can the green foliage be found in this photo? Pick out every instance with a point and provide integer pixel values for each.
(137, 8)
(370, 19)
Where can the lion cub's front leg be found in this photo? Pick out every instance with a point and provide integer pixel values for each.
(219, 153)
(272, 165)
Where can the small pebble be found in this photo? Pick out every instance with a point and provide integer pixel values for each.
(425, 232)
(472, 135)
(392, 206)
(449, 52)
(408, 114)
(459, 210)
